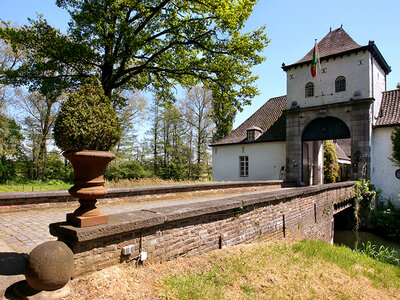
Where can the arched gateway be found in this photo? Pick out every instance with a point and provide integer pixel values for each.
(307, 127)
(318, 130)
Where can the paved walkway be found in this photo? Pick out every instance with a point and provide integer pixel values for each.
(22, 231)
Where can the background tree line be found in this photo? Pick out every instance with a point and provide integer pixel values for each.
(131, 46)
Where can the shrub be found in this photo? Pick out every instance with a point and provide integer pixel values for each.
(87, 120)
(364, 202)
(331, 165)
(396, 146)
(386, 220)
(383, 254)
(126, 170)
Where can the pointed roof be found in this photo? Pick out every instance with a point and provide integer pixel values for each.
(338, 43)
(269, 118)
(389, 113)
(335, 41)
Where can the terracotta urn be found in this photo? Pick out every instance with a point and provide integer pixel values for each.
(89, 167)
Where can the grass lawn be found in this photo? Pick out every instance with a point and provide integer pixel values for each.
(57, 185)
(261, 270)
(34, 186)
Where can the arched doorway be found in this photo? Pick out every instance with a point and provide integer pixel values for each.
(318, 130)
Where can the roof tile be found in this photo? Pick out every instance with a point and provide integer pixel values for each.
(335, 41)
(389, 113)
(268, 117)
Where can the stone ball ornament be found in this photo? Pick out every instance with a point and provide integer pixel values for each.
(49, 266)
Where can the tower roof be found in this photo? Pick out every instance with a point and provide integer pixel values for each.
(337, 43)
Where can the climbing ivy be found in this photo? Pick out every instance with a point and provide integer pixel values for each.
(331, 165)
(396, 146)
(364, 201)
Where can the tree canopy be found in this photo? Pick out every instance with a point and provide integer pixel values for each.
(134, 44)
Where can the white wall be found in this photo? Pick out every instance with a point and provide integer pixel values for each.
(357, 79)
(383, 170)
(379, 85)
(265, 161)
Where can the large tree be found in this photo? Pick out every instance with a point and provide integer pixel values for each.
(197, 111)
(154, 44)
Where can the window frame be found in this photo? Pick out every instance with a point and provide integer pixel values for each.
(309, 90)
(340, 84)
(251, 135)
(244, 166)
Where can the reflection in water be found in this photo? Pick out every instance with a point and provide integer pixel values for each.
(348, 238)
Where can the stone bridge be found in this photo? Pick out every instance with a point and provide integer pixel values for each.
(189, 229)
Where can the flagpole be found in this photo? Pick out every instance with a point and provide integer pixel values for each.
(320, 72)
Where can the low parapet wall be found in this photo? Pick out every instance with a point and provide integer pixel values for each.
(27, 200)
(189, 229)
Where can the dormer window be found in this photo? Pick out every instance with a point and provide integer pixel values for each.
(340, 84)
(309, 90)
(253, 133)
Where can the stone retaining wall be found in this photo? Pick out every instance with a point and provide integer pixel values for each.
(168, 232)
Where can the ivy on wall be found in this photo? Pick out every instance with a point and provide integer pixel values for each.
(331, 165)
(396, 146)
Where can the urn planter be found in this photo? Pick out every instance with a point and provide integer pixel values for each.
(89, 167)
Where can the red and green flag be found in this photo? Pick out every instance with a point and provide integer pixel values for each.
(314, 61)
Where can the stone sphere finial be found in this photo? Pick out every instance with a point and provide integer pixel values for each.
(49, 266)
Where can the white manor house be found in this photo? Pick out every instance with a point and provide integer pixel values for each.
(347, 103)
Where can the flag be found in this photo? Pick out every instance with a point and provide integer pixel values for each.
(314, 61)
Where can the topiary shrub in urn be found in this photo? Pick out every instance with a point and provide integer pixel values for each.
(86, 128)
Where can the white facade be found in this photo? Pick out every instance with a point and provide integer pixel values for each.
(265, 161)
(377, 83)
(383, 170)
(362, 81)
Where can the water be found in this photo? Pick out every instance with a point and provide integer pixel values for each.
(348, 238)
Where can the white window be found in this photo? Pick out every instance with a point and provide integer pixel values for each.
(340, 84)
(309, 90)
(251, 134)
(244, 166)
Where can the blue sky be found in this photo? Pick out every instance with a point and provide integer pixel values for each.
(292, 27)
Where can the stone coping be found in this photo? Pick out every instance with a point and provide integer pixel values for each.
(130, 221)
(23, 198)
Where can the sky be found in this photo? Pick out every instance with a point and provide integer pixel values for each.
(291, 25)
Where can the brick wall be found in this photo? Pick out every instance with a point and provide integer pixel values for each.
(174, 231)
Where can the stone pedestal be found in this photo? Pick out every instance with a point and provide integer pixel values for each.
(89, 167)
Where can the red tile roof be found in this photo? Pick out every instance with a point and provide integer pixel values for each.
(268, 117)
(335, 41)
(389, 113)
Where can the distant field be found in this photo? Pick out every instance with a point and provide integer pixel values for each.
(57, 185)
(34, 186)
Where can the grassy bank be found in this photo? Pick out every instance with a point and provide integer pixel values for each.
(261, 270)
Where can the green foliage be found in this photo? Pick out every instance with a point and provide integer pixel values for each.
(127, 170)
(154, 45)
(57, 169)
(331, 165)
(386, 220)
(383, 254)
(10, 149)
(396, 146)
(87, 120)
(364, 201)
